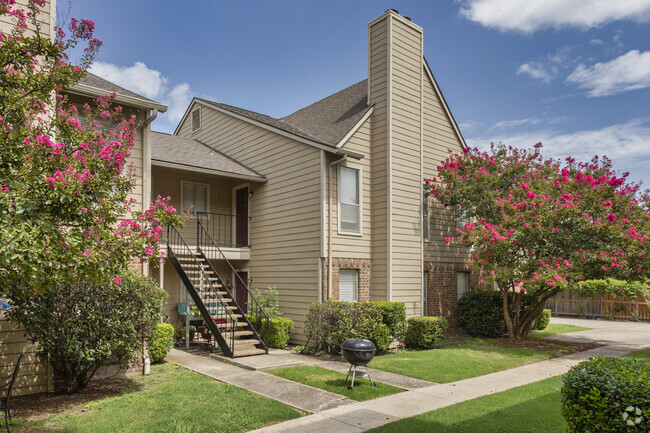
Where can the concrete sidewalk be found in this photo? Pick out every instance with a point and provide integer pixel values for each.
(621, 338)
(302, 397)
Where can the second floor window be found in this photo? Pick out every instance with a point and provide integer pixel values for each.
(350, 200)
(195, 195)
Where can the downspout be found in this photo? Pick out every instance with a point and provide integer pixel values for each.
(329, 224)
(146, 163)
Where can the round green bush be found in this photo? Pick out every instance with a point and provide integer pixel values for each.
(381, 337)
(280, 331)
(543, 320)
(480, 312)
(607, 395)
(161, 341)
(424, 332)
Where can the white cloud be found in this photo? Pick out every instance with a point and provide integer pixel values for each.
(470, 124)
(626, 144)
(506, 124)
(137, 78)
(537, 71)
(151, 84)
(596, 42)
(528, 16)
(178, 99)
(630, 71)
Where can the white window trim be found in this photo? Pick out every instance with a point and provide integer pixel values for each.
(338, 201)
(233, 211)
(355, 293)
(192, 119)
(466, 282)
(207, 193)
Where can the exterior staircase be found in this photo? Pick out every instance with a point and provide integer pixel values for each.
(231, 329)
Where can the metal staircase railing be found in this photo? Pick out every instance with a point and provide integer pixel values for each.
(256, 317)
(215, 314)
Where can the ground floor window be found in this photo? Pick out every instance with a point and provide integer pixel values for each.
(348, 284)
(463, 283)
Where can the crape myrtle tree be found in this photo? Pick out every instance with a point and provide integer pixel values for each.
(539, 226)
(64, 181)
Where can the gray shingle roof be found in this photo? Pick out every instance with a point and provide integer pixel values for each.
(326, 121)
(106, 86)
(262, 118)
(330, 119)
(191, 153)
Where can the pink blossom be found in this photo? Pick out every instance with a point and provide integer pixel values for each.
(611, 217)
(117, 280)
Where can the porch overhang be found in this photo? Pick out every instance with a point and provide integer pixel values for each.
(189, 167)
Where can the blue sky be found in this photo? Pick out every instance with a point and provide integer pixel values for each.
(573, 74)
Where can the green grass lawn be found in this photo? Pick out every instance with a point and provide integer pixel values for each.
(333, 381)
(533, 408)
(556, 328)
(172, 399)
(474, 357)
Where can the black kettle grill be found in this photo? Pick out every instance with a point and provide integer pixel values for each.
(358, 351)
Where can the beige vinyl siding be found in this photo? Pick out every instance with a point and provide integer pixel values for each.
(46, 19)
(378, 95)
(354, 246)
(34, 375)
(167, 182)
(406, 185)
(285, 211)
(439, 137)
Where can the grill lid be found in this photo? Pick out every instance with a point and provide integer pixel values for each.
(359, 344)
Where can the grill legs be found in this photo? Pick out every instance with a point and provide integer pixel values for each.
(353, 369)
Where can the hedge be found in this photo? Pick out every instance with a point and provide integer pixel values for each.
(161, 341)
(480, 312)
(543, 320)
(280, 329)
(332, 322)
(424, 332)
(607, 395)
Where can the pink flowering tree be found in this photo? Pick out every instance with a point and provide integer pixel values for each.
(540, 226)
(68, 229)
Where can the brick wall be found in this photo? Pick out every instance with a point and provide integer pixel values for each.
(442, 289)
(362, 265)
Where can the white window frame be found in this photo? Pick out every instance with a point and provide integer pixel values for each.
(207, 195)
(360, 186)
(196, 110)
(355, 294)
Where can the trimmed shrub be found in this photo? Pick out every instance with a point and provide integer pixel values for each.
(480, 312)
(424, 332)
(280, 329)
(543, 320)
(161, 341)
(335, 321)
(607, 395)
(393, 315)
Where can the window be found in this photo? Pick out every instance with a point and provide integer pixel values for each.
(349, 200)
(194, 195)
(463, 283)
(348, 284)
(425, 218)
(461, 218)
(196, 119)
(425, 284)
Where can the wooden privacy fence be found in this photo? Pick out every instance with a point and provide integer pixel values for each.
(606, 306)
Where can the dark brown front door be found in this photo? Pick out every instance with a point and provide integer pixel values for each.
(241, 218)
(241, 292)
